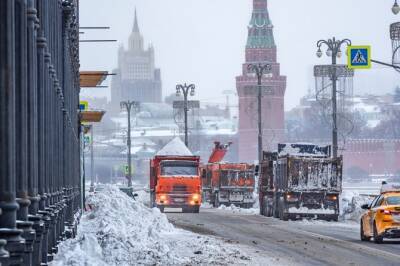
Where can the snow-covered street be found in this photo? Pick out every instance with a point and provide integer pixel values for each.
(303, 242)
(121, 231)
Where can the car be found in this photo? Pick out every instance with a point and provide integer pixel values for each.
(382, 218)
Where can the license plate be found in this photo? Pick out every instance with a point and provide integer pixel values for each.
(236, 197)
(173, 210)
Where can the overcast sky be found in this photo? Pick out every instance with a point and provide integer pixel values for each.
(203, 41)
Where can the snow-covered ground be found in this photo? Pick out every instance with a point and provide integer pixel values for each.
(234, 209)
(121, 231)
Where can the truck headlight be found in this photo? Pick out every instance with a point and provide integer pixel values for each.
(331, 197)
(196, 197)
(291, 198)
(163, 197)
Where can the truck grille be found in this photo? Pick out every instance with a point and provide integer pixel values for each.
(179, 189)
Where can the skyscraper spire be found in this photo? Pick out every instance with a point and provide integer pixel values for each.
(135, 23)
(136, 39)
(260, 28)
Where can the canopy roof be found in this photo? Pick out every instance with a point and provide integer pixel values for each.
(91, 116)
(89, 79)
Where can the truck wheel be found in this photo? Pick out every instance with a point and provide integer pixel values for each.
(362, 235)
(377, 238)
(269, 211)
(216, 201)
(262, 209)
(282, 215)
(275, 211)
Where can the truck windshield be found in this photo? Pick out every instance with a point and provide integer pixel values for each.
(179, 168)
(393, 200)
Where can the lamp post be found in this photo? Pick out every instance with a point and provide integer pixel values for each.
(185, 89)
(128, 105)
(260, 70)
(90, 127)
(334, 51)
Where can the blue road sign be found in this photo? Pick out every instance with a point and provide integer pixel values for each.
(359, 57)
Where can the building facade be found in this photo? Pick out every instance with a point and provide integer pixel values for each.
(260, 48)
(137, 77)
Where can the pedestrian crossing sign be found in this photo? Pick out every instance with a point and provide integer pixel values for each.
(359, 57)
(83, 105)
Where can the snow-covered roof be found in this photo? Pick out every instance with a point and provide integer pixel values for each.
(373, 123)
(367, 108)
(176, 148)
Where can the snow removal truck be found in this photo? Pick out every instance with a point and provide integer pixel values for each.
(227, 183)
(175, 181)
(300, 180)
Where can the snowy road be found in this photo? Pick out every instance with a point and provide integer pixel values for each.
(300, 242)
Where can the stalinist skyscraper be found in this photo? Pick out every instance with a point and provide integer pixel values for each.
(260, 48)
(137, 77)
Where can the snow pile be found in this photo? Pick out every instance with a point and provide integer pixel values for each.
(310, 211)
(295, 150)
(175, 148)
(315, 222)
(121, 231)
(350, 205)
(234, 209)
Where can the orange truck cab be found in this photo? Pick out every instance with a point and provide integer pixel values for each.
(175, 183)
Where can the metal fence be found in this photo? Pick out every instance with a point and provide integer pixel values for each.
(40, 188)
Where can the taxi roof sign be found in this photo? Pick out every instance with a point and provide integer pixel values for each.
(359, 57)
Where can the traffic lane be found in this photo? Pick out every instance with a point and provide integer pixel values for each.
(345, 231)
(344, 234)
(349, 232)
(296, 242)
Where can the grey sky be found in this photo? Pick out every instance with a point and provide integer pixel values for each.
(203, 41)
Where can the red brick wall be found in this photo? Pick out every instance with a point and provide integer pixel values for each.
(373, 156)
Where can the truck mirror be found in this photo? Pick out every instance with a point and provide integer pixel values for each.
(365, 206)
(256, 170)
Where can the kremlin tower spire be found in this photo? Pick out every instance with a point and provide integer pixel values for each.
(260, 28)
(260, 48)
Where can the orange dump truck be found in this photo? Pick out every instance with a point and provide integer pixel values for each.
(227, 183)
(175, 181)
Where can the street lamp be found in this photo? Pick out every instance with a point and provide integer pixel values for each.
(185, 89)
(396, 8)
(260, 70)
(128, 105)
(334, 51)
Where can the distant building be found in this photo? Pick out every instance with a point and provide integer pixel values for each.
(260, 48)
(137, 77)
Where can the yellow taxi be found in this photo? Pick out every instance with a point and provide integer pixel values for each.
(382, 219)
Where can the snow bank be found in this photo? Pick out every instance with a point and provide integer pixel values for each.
(121, 231)
(235, 209)
(310, 211)
(175, 148)
(313, 222)
(350, 205)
